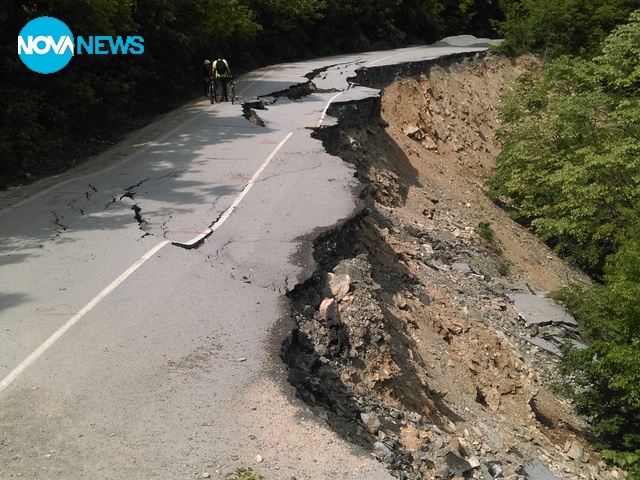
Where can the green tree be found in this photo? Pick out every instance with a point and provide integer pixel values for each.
(569, 167)
(606, 375)
(285, 27)
(554, 28)
(351, 25)
(420, 20)
(477, 17)
(179, 35)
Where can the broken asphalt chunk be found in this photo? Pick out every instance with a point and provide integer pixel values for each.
(538, 310)
(536, 470)
(544, 345)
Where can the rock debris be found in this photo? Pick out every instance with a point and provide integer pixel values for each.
(422, 334)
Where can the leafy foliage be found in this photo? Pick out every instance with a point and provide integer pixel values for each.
(570, 167)
(485, 231)
(247, 474)
(478, 16)
(629, 461)
(553, 28)
(607, 374)
(570, 170)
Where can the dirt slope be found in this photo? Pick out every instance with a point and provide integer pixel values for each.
(407, 341)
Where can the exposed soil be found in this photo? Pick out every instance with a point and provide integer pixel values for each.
(406, 340)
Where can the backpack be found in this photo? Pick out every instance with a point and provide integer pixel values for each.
(221, 67)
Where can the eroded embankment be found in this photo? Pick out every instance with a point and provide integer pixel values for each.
(351, 356)
(405, 339)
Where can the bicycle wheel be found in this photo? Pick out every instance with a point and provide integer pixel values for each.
(216, 91)
(232, 93)
(212, 92)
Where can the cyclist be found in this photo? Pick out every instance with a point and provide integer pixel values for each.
(206, 71)
(222, 72)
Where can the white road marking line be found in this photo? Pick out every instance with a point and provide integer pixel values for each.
(98, 298)
(379, 60)
(324, 112)
(76, 318)
(218, 223)
(248, 186)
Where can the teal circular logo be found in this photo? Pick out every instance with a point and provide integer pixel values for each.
(45, 45)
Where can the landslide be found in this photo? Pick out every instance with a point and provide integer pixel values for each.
(406, 341)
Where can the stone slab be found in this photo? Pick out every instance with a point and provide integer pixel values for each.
(537, 310)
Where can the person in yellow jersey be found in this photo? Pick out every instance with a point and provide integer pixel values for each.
(222, 72)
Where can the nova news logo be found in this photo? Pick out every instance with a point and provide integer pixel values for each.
(46, 45)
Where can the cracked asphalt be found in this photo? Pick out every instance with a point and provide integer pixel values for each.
(125, 356)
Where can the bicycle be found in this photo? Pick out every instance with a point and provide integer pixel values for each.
(213, 90)
(232, 91)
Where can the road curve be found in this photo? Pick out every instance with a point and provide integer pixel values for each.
(140, 292)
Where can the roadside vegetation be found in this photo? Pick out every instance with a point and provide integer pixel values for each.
(570, 171)
(247, 474)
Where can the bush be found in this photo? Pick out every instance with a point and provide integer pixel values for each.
(484, 231)
(606, 376)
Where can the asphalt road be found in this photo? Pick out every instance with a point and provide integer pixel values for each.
(137, 292)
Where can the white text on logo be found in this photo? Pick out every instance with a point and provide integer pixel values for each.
(43, 44)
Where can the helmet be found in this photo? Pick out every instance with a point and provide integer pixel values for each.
(207, 62)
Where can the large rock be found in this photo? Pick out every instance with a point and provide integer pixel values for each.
(339, 285)
(328, 309)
